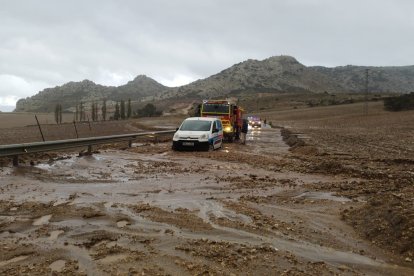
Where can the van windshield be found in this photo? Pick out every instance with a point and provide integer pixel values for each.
(196, 125)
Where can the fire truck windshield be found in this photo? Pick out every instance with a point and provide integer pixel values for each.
(216, 108)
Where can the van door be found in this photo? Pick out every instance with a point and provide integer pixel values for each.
(218, 133)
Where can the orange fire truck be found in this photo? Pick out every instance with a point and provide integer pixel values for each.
(229, 113)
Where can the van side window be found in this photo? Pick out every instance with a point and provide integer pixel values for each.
(214, 126)
(218, 125)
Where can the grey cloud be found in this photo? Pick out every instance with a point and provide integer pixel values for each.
(51, 42)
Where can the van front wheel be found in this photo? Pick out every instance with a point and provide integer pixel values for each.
(175, 147)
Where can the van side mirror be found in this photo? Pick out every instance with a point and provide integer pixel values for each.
(177, 129)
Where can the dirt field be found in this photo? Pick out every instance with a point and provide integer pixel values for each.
(31, 133)
(329, 193)
(17, 119)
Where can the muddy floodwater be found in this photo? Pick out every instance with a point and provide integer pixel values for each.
(147, 210)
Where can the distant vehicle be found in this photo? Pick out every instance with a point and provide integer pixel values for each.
(255, 122)
(199, 133)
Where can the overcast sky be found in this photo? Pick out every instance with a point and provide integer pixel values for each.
(45, 43)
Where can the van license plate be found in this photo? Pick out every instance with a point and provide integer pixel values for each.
(188, 144)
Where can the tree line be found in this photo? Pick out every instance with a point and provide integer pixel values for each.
(123, 110)
(399, 103)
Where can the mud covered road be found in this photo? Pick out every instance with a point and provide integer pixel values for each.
(146, 210)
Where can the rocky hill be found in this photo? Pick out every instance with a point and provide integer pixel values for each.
(86, 91)
(381, 79)
(286, 74)
(275, 74)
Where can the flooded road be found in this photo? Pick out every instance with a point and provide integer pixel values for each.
(150, 211)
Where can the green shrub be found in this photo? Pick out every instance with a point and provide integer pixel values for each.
(399, 103)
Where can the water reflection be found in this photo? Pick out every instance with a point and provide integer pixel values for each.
(254, 134)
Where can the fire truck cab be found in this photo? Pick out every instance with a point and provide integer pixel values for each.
(230, 115)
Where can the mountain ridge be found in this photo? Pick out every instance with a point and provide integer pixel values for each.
(273, 74)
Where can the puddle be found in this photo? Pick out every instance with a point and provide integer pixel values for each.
(135, 145)
(216, 209)
(42, 220)
(111, 244)
(60, 202)
(121, 179)
(15, 259)
(6, 171)
(45, 167)
(56, 164)
(96, 157)
(113, 258)
(57, 266)
(71, 223)
(205, 208)
(168, 127)
(7, 219)
(55, 234)
(122, 223)
(322, 195)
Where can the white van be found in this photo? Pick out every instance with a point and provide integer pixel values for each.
(199, 132)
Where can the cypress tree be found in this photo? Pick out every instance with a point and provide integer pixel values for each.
(116, 114)
(122, 109)
(57, 113)
(129, 110)
(104, 110)
(93, 111)
(82, 112)
(60, 113)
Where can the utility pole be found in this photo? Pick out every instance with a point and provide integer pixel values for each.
(257, 101)
(40, 129)
(366, 92)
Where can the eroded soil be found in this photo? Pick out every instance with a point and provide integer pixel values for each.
(258, 209)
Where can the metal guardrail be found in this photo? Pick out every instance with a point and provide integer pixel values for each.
(26, 148)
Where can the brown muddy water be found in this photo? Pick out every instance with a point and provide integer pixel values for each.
(151, 211)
